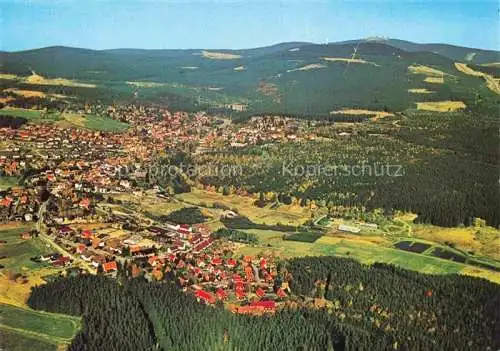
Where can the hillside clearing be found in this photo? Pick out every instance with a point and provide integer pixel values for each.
(146, 84)
(26, 93)
(219, 55)
(376, 114)
(491, 82)
(421, 91)
(57, 326)
(436, 80)
(441, 106)
(15, 340)
(307, 67)
(38, 79)
(348, 60)
(425, 70)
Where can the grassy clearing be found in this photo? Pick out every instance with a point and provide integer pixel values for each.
(482, 241)
(219, 55)
(92, 122)
(441, 106)
(435, 80)
(421, 91)
(348, 60)
(57, 326)
(26, 93)
(104, 124)
(31, 115)
(14, 340)
(425, 70)
(8, 182)
(376, 114)
(371, 253)
(146, 84)
(308, 67)
(39, 80)
(366, 249)
(19, 251)
(289, 215)
(491, 82)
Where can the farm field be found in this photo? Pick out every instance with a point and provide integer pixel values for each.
(18, 251)
(47, 328)
(285, 214)
(366, 249)
(14, 340)
(91, 122)
(19, 272)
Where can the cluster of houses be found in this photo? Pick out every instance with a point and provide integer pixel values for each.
(188, 255)
(75, 168)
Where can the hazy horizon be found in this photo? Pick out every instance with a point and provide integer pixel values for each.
(233, 24)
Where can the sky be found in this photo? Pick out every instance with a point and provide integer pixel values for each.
(234, 24)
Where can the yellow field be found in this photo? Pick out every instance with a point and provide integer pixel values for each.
(425, 70)
(38, 79)
(348, 60)
(308, 67)
(491, 82)
(219, 55)
(285, 214)
(8, 76)
(146, 84)
(376, 114)
(26, 93)
(435, 80)
(481, 273)
(441, 106)
(484, 241)
(16, 292)
(420, 91)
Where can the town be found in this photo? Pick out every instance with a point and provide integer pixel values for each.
(69, 178)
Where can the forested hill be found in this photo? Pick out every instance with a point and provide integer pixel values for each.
(293, 78)
(365, 308)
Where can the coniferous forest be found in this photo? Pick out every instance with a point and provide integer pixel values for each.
(375, 307)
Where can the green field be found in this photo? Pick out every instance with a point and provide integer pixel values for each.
(104, 124)
(32, 115)
(18, 252)
(92, 122)
(7, 182)
(47, 327)
(14, 340)
(372, 254)
(356, 248)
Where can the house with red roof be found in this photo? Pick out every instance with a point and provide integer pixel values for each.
(231, 263)
(84, 203)
(221, 294)
(260, 292)
(216, 261)
(109, 267)
(205, 296)
(6, 201)
(240, 295)
(87, 233)
(281, 293)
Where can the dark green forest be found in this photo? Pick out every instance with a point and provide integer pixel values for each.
(443, 167)
(371, 308)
